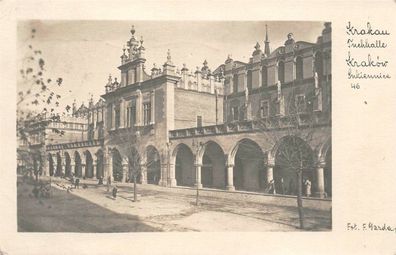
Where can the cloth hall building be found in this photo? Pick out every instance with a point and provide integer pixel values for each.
(237, 127)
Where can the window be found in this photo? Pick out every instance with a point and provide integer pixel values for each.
(264, 108)
(281, 72)
(117, 116)
(318, 65)
(90, 132)
(249, 80)
(131, 115)
(235, 113)
(300, 103)
(109, 116)
(299, 68)
(264, 76)
(199, 121)
(235, 83)
(147, 113)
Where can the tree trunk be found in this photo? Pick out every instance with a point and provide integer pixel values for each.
(134, 189)
(299, 199)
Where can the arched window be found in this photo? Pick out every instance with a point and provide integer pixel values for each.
(281, 72)
(264, 76)
(235, 83)
(318, 64)
(249, 80)
(299, 68)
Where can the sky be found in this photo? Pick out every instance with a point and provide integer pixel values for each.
(84, 53)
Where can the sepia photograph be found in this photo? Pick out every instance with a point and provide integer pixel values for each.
(174, 126)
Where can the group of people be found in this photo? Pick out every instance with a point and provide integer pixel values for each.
(271, 189)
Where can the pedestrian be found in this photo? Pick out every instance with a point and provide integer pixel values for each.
(77, 183)
(308, 185)
(115, 192)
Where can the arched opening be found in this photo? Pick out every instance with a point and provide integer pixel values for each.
(153, 165)
(117, 165)
(249, 80)
(264, 76)
(134, 162)
(50, 165)
(99, 164)
(88, 165)
(77, 166)
(67, 165)
(249, 166)
(58, 165)
(292, 155)
(184, 166)
(299, 68)
(328, 173)
(281, 72)
(235, 83)
(213, 170)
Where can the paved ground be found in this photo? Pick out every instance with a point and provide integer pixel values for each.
(162, 209)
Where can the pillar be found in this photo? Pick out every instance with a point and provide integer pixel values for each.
(139, 109)
(172, 176)
(108, 165)
(152, 100)
(230, 177)
(198, 176)
(44, 166)
(320, 191)
(124, 171)
(163, 179)
(270, 173)
(93, 170)
(72, 168)
(143, 173)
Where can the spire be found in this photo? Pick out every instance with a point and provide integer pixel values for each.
(168, 57)
(267, 47)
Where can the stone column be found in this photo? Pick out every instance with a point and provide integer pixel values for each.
(83, 168)
(143, 173)
(152, 100)
(172, 179)
(54, 165)
(72, 168)
(124, 172)
(93, 170)
(230, 177)
(139, 107)
(44, 166)
(198, 176)
(163, 179)
(270, 173)
(108, 171)
(320, 192)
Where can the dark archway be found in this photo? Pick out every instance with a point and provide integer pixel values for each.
(184, 166)
(117, 165)
(292, 154)
(77, 166)
(281, 72)
(99, 164)
(50, 165)
(153, 165)
(68, 171)
(213, 170)
(58, 165)
(328, 174)
(88, 165)
(249, 166)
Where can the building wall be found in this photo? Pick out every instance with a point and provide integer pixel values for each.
(190, 104)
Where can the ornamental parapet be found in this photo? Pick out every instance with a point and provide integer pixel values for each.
(75, 145)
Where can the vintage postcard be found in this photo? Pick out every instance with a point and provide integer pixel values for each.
(191, 128)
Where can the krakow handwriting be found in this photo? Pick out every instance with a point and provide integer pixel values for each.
(369, 62)
(368, 30)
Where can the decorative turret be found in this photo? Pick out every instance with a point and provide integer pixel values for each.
(132, 44)
(267, 51)
(108, 86)
(169, 68)
(141, 49)
(257, 53)
(123, 57)
(205, 69)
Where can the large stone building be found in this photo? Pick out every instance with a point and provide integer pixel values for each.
(236, 128)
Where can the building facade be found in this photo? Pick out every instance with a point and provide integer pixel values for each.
(238, 127)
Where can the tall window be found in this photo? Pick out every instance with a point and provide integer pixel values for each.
(131, 115)
(264, 108)
(281, 72)
(147, 113)
(235, 83)
(117, 116)
(199, 121)
(264, 76)
(109, 116)
(299, 68)
(235, 113)
(318, 65)
(249, 80)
